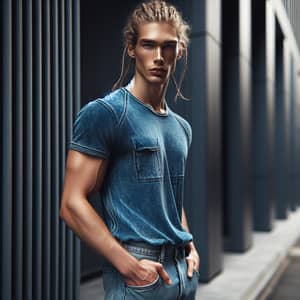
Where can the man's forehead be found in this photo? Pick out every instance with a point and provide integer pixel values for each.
(157, 32)
(169, 41)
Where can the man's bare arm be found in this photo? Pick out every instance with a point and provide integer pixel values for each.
(193, 259)
(84, 174)
(184, 221)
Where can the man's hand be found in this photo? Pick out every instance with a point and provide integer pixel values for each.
(146, 273)
(192, 259)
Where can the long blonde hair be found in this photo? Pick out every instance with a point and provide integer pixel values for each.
(154, 11)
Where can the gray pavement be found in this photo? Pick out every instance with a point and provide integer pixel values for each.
(288, 285)
(249, 275)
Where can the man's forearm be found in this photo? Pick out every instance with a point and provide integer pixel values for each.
(90, 227)
(184, 221)
(185, 225)
(192, 258)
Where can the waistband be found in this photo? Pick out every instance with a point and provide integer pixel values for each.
(160, 253)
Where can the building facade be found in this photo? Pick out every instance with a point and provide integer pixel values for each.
(243, 172)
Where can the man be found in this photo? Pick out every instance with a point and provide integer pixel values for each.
(132, 148)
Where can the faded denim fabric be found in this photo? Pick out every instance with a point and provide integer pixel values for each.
(142, 194)
(173, 261)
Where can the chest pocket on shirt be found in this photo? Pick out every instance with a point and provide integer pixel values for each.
(147, 159)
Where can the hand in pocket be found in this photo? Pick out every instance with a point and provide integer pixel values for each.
(146, 273)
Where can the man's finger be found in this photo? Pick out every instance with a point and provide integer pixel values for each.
(164, 275)
(190, 267)
(198, 265)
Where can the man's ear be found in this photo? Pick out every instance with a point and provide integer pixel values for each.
(179, 55)
(180, 51)
(131, 51)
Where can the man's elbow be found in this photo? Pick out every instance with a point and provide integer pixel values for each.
(71, 206)
(65, 209)
(62, 212)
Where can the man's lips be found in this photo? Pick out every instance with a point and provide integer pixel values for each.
(158, 71)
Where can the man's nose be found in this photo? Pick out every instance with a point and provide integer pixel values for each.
(158, 55)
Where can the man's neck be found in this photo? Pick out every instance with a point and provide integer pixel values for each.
(152, 94)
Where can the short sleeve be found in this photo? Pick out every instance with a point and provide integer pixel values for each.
(93, 130)
(189, 134)
(187, 129)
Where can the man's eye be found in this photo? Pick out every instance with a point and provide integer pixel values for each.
(169, 46)
(148, 46)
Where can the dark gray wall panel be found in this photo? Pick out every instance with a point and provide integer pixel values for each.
(6, 150)
(76, 107)
(54, 153)
(17, 252)
(62, 115)
(34, 248)
(37, 151)
(46, 152)
(28, 175)
(69, 125)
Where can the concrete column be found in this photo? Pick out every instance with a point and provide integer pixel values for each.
(292, 137)
(281, 129)
(297, 135)
(237, 124)
(263, 49)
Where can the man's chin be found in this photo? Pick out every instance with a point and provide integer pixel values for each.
(157, 79)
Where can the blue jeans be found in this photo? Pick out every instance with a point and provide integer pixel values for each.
(173, 260)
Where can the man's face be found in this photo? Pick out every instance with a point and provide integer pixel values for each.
(156, 52)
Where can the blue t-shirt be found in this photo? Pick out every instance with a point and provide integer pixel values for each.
(142, 192)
